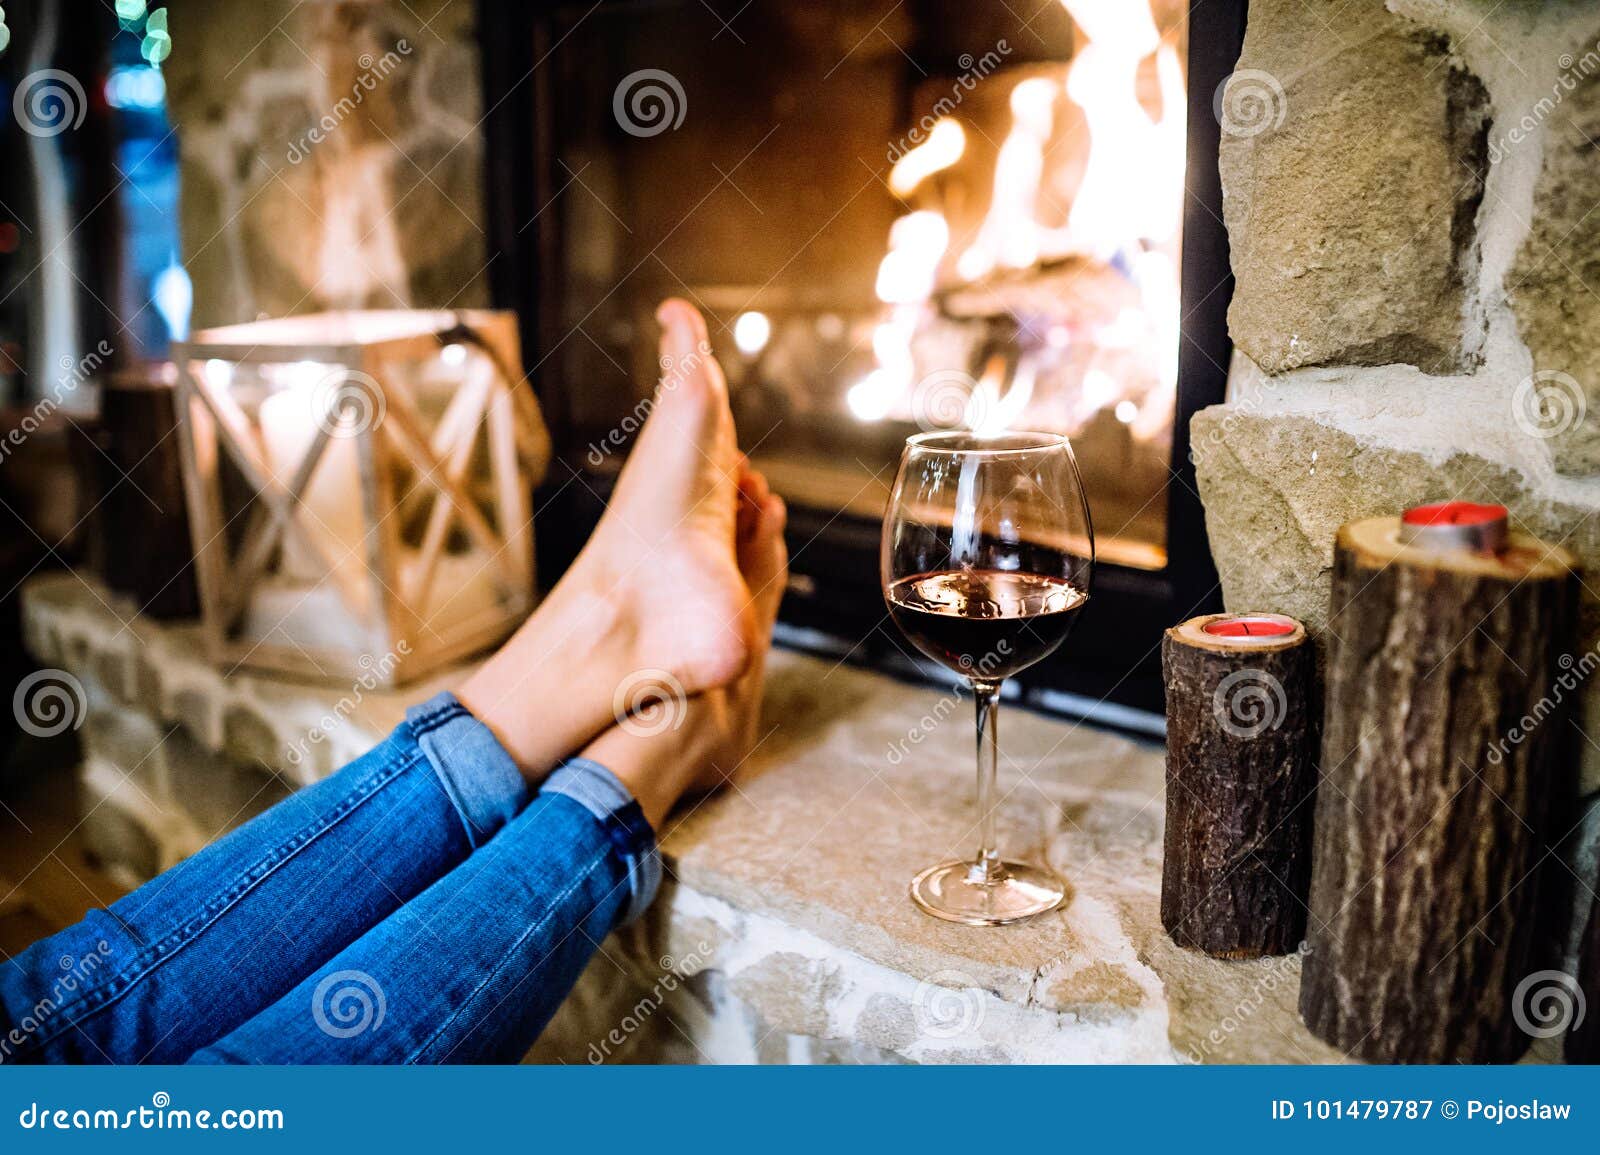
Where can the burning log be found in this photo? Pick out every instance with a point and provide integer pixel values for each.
(1445, 775)
(1067, 289)
(1240, 775)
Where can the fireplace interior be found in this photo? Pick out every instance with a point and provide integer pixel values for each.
(897, 218)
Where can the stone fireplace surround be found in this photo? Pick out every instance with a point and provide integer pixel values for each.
(1412, 215)
(1413, 242)
(783, 933)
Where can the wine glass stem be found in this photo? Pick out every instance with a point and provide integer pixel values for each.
(986, 867)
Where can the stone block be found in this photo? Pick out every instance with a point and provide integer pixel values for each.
(1237, 1012)
(146, 685)
(39, 638)
(887, 1022)
(291, 205)
(1552, 284)
(118, 836)
(215, 791)
(1097, 990)
(197, 711)
(132, 743)
(113, 669)
(304, 164)
(1353, 158)
(121, 846)
(77, 656)
(248, 739)
(793, 991)
(1276, 489)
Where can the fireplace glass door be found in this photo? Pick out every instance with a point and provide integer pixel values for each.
(897, 217)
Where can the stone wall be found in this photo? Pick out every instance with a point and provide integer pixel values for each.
(1410, 193)
(331, 155)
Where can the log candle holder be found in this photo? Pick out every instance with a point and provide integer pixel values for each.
(1240, 772)
(1445, 776)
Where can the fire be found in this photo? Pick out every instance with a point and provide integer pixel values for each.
(945, 145)
(1132, 190)
(1010, 234)
(916, 246)
(1124, 214)
(906, 279)
(988, 412)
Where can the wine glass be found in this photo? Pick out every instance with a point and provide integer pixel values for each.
(987, 556)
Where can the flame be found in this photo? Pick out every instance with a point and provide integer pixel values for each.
(1125, 212)
(916, 246)
(944, 146)
(1009, 234)
(1127, 28)
(1130, 202)
(988, 412)
(1156, 274)
(906, 278)
(1132, 189)
(871, 398)
(1099, 390)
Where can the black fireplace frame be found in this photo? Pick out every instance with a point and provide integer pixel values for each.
(1110, 671)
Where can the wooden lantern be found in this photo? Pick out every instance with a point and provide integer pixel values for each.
(359, 487)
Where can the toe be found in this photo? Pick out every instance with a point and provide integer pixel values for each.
(764, 561)
(749, 509)
(692, 399)
(686, 351)
(753, 497)
(683, 320)
(774, 520)
(686, 455)
(759, 489)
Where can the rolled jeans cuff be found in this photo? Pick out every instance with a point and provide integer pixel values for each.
(602, 793)
(478, 776)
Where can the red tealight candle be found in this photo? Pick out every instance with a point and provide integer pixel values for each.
(1243, 627)
(1454, 525)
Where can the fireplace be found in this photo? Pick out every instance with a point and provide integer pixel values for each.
(897, 217)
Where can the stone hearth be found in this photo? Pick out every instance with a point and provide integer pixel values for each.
(784, 933)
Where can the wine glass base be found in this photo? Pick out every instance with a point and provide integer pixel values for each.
(1015, 891)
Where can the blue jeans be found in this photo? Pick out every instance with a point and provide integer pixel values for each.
(416, 907)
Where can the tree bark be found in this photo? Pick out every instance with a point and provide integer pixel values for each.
(1447, 784)
(1240, 775)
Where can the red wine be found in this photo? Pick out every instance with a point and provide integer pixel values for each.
(985, 623)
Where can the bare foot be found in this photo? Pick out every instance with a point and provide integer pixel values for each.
(700, 743)
(764, 565)
(665, 543)
(656, 599)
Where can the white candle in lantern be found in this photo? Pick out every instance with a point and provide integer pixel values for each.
(330, 508)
